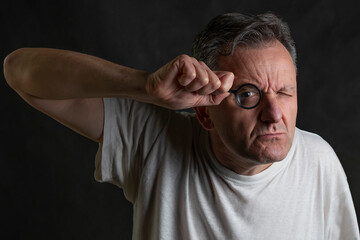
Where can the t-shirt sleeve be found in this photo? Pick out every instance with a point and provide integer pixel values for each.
(340, 218)
(339, 214)
(130, 130)
(133, 133)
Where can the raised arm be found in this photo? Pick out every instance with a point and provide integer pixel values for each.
(69, 86)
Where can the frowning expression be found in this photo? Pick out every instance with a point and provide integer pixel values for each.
(263, 134)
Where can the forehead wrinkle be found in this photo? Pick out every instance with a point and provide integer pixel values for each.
(276, 75)
(255, 68)
(260, 67)
(267, 77)
(255, 73)
(247, 72)
(275, 79)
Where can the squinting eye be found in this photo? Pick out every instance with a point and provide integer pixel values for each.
(285, 94)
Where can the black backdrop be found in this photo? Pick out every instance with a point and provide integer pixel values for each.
(47, 185)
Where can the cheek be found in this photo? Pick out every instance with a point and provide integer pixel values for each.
(291, 114)
(289, 118)
(232, 122)
(247, 123)
(239, 127)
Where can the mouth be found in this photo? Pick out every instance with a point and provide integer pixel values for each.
(270, 136)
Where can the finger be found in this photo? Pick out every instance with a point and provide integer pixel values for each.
(213, 84)
(226, 79)
(201, 79)
(187, 70)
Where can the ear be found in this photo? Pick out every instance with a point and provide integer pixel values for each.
(202, 115)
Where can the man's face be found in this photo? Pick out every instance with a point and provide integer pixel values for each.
(263, 134)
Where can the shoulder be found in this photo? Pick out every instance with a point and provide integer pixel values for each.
(324, 175)
(310, 137)
(312, 143)
(315, 154)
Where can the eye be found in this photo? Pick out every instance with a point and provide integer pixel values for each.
(288, 91)
(247, 91)
(283, 93)
(247, 94)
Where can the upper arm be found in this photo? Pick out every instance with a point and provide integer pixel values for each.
(84, 116)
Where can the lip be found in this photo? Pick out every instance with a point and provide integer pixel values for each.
(270, 135)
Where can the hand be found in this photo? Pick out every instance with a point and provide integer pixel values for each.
(185, 82)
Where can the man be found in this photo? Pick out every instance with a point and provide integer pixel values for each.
(241, 170)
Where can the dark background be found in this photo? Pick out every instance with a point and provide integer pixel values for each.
(47, 185)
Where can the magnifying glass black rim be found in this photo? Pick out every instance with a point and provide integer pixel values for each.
(237, 99)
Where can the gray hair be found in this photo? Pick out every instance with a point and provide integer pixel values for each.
(226, 31)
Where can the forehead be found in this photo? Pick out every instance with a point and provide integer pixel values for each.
(266, 66)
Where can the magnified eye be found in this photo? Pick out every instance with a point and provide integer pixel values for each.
(248, 96)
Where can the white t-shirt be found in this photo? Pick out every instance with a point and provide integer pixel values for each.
(164, 163)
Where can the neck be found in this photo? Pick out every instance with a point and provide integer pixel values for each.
(233, 161)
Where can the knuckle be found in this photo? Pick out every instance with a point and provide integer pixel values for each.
(220, 88)
(190, 75)
(194, 59)
(205, 66)
(204, 80)
(182, 81)
(216, 84)
(183, 57)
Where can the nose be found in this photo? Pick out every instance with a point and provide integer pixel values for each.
(271, 110)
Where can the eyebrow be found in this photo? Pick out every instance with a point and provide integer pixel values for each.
(256, 83)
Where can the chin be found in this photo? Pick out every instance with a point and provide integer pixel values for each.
(271, 154)
(270, 158)
(271, 151)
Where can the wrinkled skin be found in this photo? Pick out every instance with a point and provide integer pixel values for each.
(249, 141)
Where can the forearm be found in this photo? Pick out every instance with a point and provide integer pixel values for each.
(60, 74)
